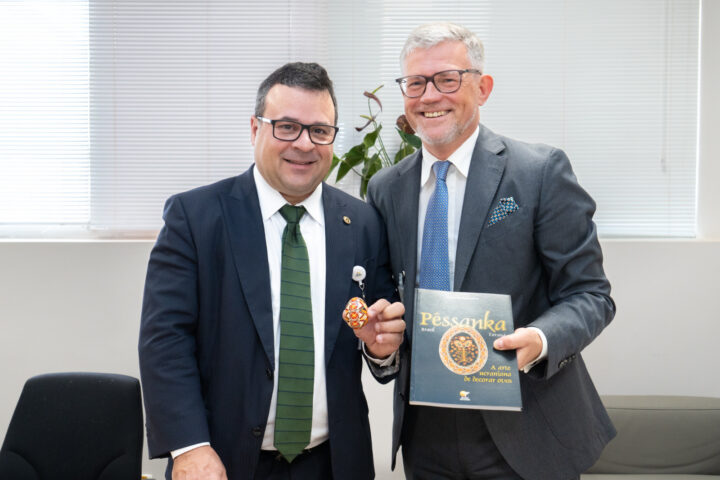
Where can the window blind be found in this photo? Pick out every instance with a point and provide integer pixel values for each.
(44, 144)
(171, 88)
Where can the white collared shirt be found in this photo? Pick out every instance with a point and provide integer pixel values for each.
(312, 227)
(456, 181)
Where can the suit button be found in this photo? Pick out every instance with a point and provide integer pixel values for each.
(402, 396)
(257, 431)
(269, 373)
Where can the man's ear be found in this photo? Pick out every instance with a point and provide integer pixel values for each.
(485, 85)
(254, 125)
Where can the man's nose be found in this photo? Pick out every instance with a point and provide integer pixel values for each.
(303, 142)
(431, 93)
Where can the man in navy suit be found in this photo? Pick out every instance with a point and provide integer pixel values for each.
(210, 331)
(516, 223)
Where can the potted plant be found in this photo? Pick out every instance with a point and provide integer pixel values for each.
(371, 152)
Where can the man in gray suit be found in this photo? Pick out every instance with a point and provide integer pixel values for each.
(516, 223)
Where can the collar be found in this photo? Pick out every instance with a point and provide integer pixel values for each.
(271, 201)
(460, 158)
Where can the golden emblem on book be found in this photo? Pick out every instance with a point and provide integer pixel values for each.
(463, 350)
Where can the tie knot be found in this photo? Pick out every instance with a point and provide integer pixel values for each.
(441, 169)
(292, 214)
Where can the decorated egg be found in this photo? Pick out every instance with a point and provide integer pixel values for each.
(355, 313)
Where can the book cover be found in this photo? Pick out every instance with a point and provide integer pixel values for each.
(453, 361)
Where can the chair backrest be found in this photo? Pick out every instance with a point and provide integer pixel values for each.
(662, 435)
(79, 426)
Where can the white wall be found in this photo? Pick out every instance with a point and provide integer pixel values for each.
(75, 306)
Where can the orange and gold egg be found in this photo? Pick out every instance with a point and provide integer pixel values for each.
(355, 313)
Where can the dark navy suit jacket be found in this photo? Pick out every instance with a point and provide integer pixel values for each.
(546, 256)
(206, 338)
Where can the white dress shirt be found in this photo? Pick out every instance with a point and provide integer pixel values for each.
(456, 181)
(312, 228)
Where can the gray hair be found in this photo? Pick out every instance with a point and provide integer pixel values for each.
(431, 34)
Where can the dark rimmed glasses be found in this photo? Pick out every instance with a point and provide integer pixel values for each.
(447, 81)
(289, 131)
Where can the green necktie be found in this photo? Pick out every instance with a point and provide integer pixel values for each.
(293, 418)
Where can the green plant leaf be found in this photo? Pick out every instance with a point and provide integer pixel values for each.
(343, 169)
(371, 168)
(371, 137)
(413, 140)
(355, 156)
(404, 151)
(334, 164)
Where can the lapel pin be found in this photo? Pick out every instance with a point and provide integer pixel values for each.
(347, 221)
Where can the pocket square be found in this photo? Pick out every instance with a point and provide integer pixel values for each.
(505, 207)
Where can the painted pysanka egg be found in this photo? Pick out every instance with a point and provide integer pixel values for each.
(355, 313)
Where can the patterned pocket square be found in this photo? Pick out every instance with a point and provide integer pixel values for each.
(505, 207)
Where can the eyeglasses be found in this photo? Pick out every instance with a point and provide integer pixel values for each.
(447, 81)
(289, 131)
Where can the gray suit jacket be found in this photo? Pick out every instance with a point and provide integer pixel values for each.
(545, 255)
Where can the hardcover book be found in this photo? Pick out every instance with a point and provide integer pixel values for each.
(453, 361)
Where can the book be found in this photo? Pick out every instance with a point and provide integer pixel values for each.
(453, 362)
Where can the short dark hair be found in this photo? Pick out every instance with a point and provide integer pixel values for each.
(309, 76)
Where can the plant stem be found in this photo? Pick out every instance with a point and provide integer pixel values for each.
(385, 158)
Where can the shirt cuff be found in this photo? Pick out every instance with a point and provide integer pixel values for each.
(180, 451)
(385, 362)
(543, 354)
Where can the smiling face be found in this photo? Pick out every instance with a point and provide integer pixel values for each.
(445, 120)
(294, 168)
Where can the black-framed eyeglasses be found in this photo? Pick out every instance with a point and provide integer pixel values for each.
(289, 131)
(447, 81)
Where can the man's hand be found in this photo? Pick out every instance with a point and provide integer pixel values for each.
(527, 342)
(200, 463)
(383, 333)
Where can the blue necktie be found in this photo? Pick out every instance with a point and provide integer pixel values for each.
(434, 260)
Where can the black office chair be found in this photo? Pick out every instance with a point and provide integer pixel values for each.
(75, 426)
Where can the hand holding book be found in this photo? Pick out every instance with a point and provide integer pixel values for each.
(526, 342)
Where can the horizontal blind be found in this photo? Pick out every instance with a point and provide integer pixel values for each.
(44, 145)
(172, 87)
(612, 82)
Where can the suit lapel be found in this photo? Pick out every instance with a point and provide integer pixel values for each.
(241, 209)
(340, 257)
(486, 170)
(406, 198)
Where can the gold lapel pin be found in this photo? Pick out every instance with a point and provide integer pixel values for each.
(346, 220)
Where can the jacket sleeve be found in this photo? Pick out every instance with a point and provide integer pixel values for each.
(567, 245)
(172, 392)
(385, 288)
